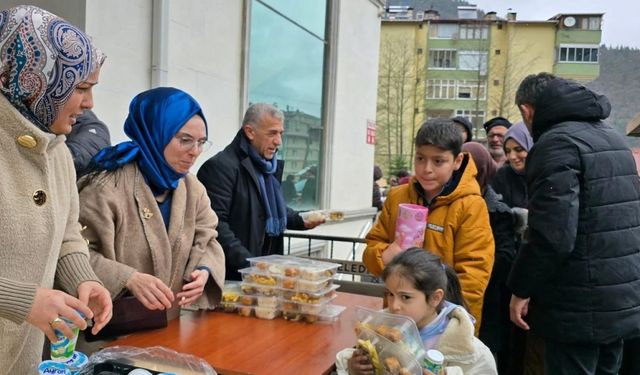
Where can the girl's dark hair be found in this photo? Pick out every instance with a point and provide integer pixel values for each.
(441, 133)
(427, 273)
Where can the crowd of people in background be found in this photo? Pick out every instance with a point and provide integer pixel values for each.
(531, 253)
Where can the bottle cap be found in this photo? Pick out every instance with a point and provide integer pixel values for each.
(435, 356)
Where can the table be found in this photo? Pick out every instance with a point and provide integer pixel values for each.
(236, 345)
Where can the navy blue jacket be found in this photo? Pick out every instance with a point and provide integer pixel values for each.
(234, 191)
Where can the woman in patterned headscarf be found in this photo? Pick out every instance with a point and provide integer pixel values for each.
(151, 230)
(47, 70)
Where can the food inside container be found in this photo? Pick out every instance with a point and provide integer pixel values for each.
(335, 215)
(325, 314)
(230, 294)
(395, 328)
(254, 275)
(266, 312)
(293, 267)
(261, 290)
(313, 215)
(267, 301)
(388, 357)
(325, 294)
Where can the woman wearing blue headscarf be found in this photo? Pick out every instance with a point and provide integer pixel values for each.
(47, 70)
(149, 223)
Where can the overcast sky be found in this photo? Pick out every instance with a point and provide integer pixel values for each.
(620, 25)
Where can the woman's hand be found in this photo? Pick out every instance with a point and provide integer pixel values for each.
(49, 305)
(360, 363)
(390, 252)
(150, 291)
(98, 299)
(193, 290)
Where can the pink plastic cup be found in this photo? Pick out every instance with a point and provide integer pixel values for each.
(410, 225)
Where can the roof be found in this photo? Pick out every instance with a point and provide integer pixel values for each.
(633, 126)
(559, 15)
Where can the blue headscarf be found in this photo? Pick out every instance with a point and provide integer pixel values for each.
(155, 116)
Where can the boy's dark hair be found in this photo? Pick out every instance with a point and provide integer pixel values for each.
(441, 133)
(427, 273)
(532, 87)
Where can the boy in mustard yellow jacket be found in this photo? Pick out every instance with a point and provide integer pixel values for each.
(458, 228)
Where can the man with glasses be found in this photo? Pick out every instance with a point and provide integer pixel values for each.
(496, 129)
(243, 183)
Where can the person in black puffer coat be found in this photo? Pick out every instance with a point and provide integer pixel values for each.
(577, 274)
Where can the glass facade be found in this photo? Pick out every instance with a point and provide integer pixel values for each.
(287, 42)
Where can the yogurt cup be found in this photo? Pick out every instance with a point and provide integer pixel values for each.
(63, 349)
(77, 361)
(53, 368)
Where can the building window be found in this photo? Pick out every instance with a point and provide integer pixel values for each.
(292, 79)
(452, 89)
(441, 89)
(444, 30)
(475, 117)
(473, 60)
(442, 58)
(472, 89)
(581, 54)
(590, 23)
(474, 31)
(497, 52)
(496, 82)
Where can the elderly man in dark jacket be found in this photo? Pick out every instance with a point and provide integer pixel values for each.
(243, 183)
(577, 275)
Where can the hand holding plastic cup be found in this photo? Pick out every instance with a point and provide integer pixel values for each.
(62, 350)
(410, 225)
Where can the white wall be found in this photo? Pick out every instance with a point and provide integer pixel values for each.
(122, 30)
(351, 158)
(204, 59)
(205, 46)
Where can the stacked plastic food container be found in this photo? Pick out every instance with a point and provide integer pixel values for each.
(298, 289)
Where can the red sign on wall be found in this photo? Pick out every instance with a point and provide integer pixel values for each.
(371, 132)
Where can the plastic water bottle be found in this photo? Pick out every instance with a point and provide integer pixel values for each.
(434, 361)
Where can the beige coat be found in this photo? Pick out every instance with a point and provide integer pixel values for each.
(126, 233)
(37, 242)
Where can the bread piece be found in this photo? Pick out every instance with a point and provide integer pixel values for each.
(392, 365)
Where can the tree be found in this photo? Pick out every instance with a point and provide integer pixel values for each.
(396, 97)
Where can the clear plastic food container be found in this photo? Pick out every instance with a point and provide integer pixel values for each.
(255, 276)
(325, 314)
(395, 328)
(231, 292)
(391, 356)
(294, 267)
(261, 290)
(322, 295)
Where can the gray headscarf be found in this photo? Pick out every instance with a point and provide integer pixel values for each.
(519, 133)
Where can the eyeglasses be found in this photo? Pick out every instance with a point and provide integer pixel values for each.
(187, 143)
